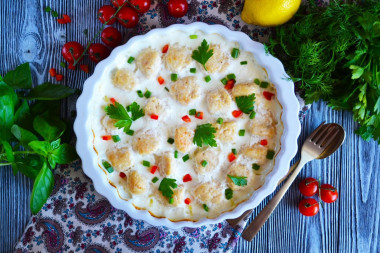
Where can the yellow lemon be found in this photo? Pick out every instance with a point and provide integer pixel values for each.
(269, 12)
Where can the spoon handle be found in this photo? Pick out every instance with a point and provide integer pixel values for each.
(263, 216)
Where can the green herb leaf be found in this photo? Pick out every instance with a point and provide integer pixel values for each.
(21, 77)
(29, 164)
(50, 129)
(22, 114)
(64, 154)
(136, 111)
(239, 181)
(41, 147)
(49, 91)
(8, 101)
(22, 135)
(166, 186)
(246, 103)
(203, 54)
(119, 113)
(204, 135)
(10, 157)
(43, 186)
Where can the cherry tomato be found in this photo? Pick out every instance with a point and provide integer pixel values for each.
(71, 49)
(105, 13)
(141, 6)
(308, 207)
(98, 52)
(111, 37)
(178, 8)
(328, 193)
(118, 3)
(128, 17)
(308, 187)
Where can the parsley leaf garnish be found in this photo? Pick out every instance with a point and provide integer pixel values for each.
(119, 112)
(203, 54)
(246, 103)
(204, 135)
(166, 186)
(239, 181)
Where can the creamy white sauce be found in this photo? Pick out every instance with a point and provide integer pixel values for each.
(171, 119)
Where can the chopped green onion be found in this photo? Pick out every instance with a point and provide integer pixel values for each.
(208, 79)
(193, 37)
(176, 154)
(205, 207)
(171, 201)
(241, 132)
(224, 81)
(192, 112)
(264, 84)
(234, 151)
(140, 94)
(229, 193)
(243, 63)
(155, 179)
(220, 121)
(146, 163)
(116, 138)
(252, 115)
(270, 154)
(107, 166)
(235, 53)
(255, 166)
(166, 88)
(257, 81)
(204, 163)
(171, 140)
(130, 132)
(131, 59)
(231, 76)
(147, 94)
(193, 70)
(174, 77)
(185, 157)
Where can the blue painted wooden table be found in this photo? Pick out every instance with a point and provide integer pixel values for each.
(349, 225)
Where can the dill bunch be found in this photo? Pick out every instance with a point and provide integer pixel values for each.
(334, 54)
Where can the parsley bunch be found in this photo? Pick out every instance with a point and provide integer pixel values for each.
(31, 131)
(334, 53)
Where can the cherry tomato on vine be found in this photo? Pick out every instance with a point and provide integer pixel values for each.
(128, 17)
(118, 3)
(72, 49)
(178, 8)
(308, 187)
(308, 207)
(328, 193)
(98, 52)
(105, 13)
(141, 6)
(111, 37)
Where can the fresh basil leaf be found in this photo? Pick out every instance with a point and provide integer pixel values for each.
(50, 129)
(8, 101)
(41, 107)
(22, 113)
(49, 91)
(23, 135)
(29, 164)
(21, 77)
(41, 147)
(10, 156)
(64, 154)
(42, 188)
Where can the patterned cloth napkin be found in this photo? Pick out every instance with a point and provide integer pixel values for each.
(78, 219)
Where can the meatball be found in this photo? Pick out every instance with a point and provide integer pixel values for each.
(210, 156)
(245, 89)
(177, 58)
(146, 142)
(149, 62)
(165, 163)
(226, 131)
(120, 158)
(218, 100)
(257, 153)
(183, 139)
(237, 170)
(109, 124)
(154, 106)
(185, 90)
(209, 192)
(136, 183)
(219, 61)
(263, 126)
(124, 79)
